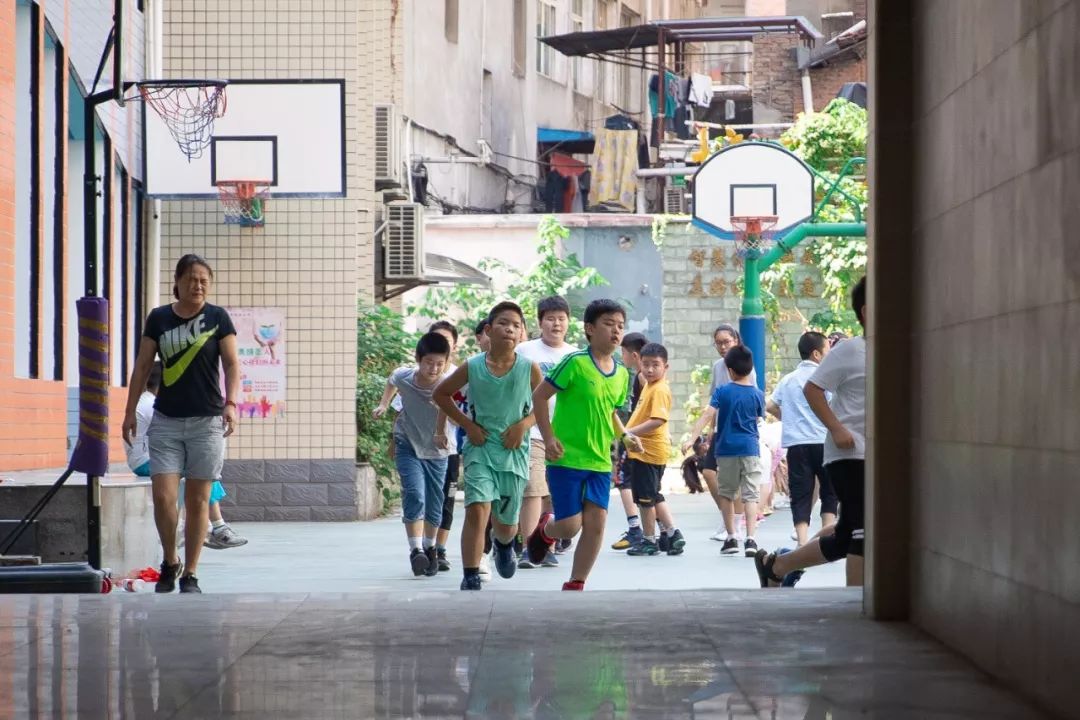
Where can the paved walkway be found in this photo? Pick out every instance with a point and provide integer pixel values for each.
(351, 557)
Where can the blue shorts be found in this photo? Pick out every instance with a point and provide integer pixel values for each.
(570, 488)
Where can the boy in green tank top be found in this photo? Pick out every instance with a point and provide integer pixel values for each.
(496, 449)
(592, 385)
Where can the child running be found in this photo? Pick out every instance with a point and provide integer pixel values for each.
(591, 385)
(632, 344)
(553, 314)
(737, 407)
(496, 449)
(420, 462)
(646, 468)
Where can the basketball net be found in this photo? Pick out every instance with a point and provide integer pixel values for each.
(753, 233)
(189, 111)
(244, 201)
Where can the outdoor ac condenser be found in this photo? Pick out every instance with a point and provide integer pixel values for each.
(675, 199)
(403, 241)
(387, 148)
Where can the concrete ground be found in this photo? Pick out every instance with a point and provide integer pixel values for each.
(351, 557)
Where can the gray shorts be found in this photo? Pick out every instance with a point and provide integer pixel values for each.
(739, 477)
(190, 447)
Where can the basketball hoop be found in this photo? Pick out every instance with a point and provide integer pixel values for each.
(189, 108)
(244, 201)
(753, 233)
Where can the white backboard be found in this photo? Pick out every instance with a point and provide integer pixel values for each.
(288, 133)
(752, 178)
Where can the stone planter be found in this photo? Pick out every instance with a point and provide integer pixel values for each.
(369, 502)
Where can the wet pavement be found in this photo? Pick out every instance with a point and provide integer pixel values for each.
(424, 653)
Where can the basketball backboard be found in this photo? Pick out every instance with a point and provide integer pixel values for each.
(752, 179)
(288, 134)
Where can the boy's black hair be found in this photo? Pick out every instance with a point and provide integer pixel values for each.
(654, 350)
(729, 329)
(555, 303)
(480, 327)
(811, 341)
(603, 306)
(505, 306)
(634, 342)
(432, 343)
(153, 380)
(858, 300)
(444, 325)
(740, 360)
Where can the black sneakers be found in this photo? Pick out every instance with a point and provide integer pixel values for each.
(444, 564)
(505, 559)
(432, 556)
(190, 584)
(471, 582)
(167, 582)
(751, 547)
(731, 546)
(419, 562)
(676, 543)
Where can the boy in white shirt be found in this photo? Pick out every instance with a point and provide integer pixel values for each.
(553, 314)
(803, 438)
(843, 373)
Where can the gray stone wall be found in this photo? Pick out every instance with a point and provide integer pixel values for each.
(702, 288)
(294, 490)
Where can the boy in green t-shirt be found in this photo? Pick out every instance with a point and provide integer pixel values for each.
(592, 386)
(496, 450)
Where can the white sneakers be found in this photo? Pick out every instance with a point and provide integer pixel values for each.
(485, 568)
(720, 535)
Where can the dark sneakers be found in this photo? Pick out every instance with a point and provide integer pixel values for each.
(419, 562)
(537, 546)
(751, 547)
(432, 556)
(731, 546)
(645, 547)
(167, 582)
(505, 560)
(444, 564)
(662, 542)
(471, 582)
(676, 543)
(190, 584)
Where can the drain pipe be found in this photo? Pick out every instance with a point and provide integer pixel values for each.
(807, 92)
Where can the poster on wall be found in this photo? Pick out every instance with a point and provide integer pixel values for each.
(260, 341)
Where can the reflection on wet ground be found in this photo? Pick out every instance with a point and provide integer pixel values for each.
(723, 654)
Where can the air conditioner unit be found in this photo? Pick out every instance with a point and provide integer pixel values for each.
(387, 148)
(675, 199)
(403, 241)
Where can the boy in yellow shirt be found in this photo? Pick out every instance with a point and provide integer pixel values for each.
(649, 422)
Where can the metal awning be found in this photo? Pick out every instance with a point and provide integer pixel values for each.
(443, 270)
(619, 40)
(573, 142)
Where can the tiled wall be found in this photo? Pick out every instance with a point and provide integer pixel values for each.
(312, 258)
(996, 348)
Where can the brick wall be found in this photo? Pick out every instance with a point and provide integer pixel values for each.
(701, 290)
(826, 81)
(776, 81)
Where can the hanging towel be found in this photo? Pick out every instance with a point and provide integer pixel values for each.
(616, 162)
(701, 90)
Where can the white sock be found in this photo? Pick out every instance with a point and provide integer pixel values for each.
(429, 542)
(415, 543)
(670, 531)
(217, 524)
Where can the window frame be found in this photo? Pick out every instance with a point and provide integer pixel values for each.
(545, 54)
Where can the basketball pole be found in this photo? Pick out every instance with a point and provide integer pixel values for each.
(752, 319)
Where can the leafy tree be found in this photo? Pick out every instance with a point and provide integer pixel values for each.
(552, 274)
(826, 140)
(382, 345)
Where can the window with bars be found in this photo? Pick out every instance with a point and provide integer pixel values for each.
(577, 24)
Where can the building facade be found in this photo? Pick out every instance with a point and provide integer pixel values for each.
(48, 62)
